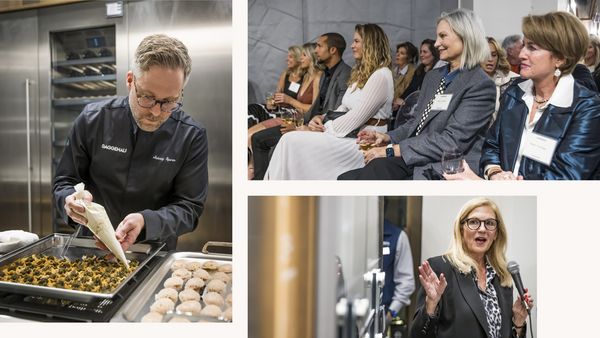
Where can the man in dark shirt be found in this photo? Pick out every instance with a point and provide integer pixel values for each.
(333, 85)
(140, 156)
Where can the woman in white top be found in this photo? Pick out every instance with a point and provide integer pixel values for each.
(592, 54)
(326, 148)
(498, 68)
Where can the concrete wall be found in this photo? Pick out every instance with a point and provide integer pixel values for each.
(274, 25)
(503, 18)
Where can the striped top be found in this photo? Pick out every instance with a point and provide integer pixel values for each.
(374, 100)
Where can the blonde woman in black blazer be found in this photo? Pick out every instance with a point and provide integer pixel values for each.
(468, 291)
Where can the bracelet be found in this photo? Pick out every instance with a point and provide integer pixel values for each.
(493, 172)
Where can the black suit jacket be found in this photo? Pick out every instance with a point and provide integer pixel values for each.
(461, 312)
(335, 92)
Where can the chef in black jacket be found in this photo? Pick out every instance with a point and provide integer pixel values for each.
(140, 156)
(468, 291)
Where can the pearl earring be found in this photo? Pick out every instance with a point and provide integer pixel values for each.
(557, 72)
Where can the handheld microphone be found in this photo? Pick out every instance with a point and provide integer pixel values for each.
(513, 268)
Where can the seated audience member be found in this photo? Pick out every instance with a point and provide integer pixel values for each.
(498, 68)
(429, 56)
(455, 105)
(513, 44)
(307, 94)
(468, 291)
(327, 147)
(406, 56)
(288, 84)
(548, 125)
(592, 54)
(333, 84)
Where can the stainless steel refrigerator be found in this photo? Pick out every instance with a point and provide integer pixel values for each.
(55, 60)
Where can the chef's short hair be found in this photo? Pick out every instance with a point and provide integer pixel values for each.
(164, 51)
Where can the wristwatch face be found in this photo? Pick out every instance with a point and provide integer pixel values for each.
(389, 152)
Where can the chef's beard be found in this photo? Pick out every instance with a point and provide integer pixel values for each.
(145, 120)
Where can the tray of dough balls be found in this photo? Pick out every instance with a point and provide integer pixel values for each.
(187, 287)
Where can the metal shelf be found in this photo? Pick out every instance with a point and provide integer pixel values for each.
(107, 59)
(66, 80)
(77, 102)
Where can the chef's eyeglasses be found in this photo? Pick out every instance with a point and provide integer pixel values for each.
(149, 102)
(474, 223)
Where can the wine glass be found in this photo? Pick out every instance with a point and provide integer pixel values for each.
(270, 99)
(288, 117)
(452, 162)
(279, 90)
(298, 118)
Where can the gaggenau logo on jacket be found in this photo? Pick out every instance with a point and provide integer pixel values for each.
(113, 148)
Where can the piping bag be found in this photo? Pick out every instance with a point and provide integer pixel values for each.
(99, 224)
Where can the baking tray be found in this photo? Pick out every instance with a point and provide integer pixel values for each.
(52, 245)
(139, 303)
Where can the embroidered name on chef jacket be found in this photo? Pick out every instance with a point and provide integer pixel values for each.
(113, 148)
(163, 159)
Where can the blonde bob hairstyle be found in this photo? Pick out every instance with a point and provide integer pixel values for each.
(561, 33)
(502, 65)
(595, 42)
(457, 253)
(296, 52)
(163, 51)
(469, 28)
(376, 53)
(308, 49)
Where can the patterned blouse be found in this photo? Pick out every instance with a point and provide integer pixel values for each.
(490, 301)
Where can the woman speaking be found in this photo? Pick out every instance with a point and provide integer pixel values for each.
(468, 291)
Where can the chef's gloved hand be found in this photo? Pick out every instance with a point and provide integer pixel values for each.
(129, 229)
(74, 208)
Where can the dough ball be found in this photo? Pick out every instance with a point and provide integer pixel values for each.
(178, 264)
(182, 273)
(167, 293)
(225, 268)
(228, 315)
(210, 265)
(189, 294)
(213, 298)
(216, 286)
(152, 317)
(162, 305)
(193, 265)
(222, 276)
(229, 300)
(174, 283)
(211, 311)
(190, 306)
(201, 273)
(195, 284)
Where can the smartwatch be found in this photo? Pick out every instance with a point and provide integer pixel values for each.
(389, 150)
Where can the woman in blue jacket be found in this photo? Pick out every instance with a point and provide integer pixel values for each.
(548, 126)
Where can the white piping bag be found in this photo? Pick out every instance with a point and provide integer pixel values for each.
(99, 224)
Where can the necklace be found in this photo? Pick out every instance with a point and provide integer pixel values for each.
(540, 101)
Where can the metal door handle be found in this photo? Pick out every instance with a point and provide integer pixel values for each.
(28, 131)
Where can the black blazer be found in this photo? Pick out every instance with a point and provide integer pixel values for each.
(461, 312)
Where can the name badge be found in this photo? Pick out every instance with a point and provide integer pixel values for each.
(294, 87)
(441, 102)
(539, 147)
(386, 250)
